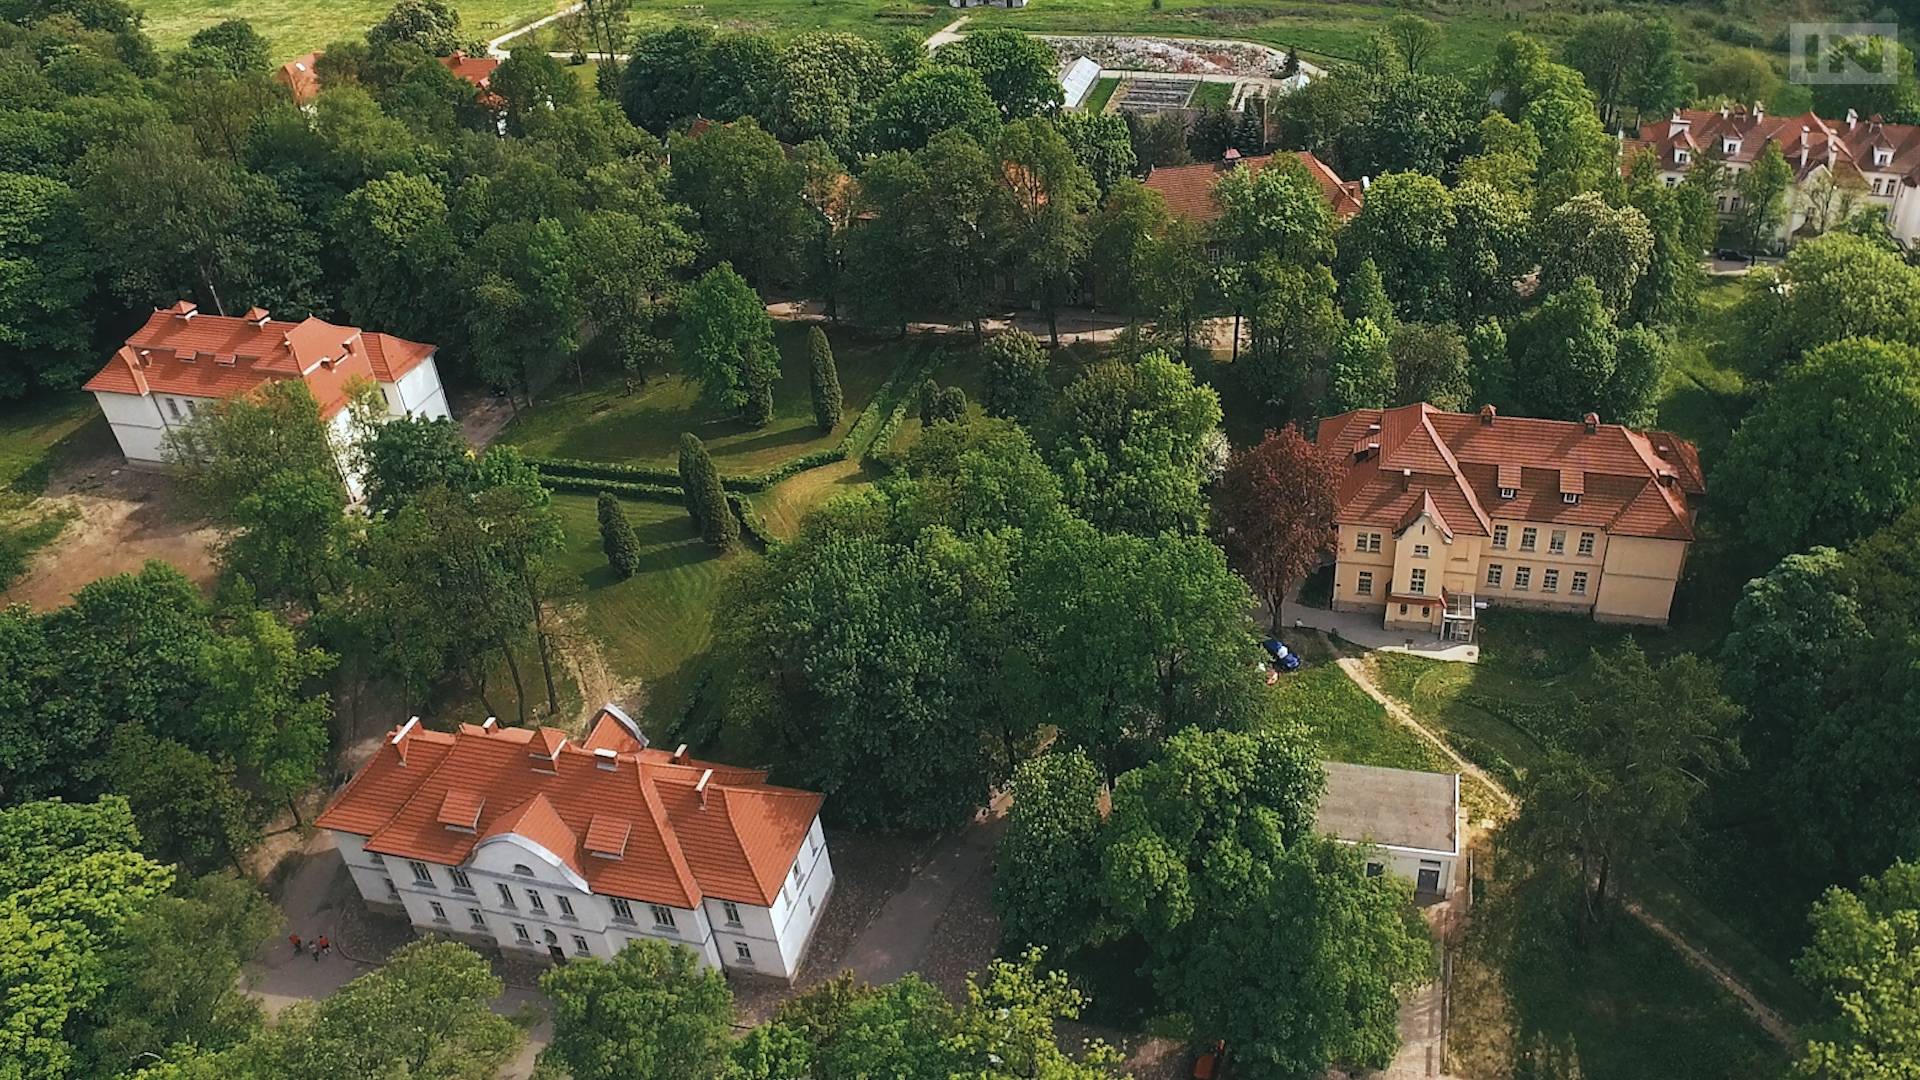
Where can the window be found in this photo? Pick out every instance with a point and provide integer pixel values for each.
(809, 905)
(1882, 155)
(1550, 580)
(1364, 584)
(566, 907)
(813, 845)
(1682, 156)
(506, 896)
(662, 916)
(1403, 609)
(523, 869)
(621, 909)
(742, 953)
(533, 898)
(1523, 577)
(520, 933)
(460, 880)
(439, 913)
(474, 916)
(421, 875)
(378, 859)
(1529, 539)
(1571, 498)
(1730, 147)
(580, 946)
(1500, 537)
(1374, 869)
(1417, 582)
(1733, 204)
(796, 872)
(1557, 542)
(1579, 583)
(1421, 551)
(1494, 573)
(1673, 181)
(392, 889)
(173, 408)
(732, 911)
(1366, 542)
(1508, 493)
(1586, 545)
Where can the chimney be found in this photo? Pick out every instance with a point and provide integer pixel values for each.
(1853, 119)
(1724, 110)
(1406, 479)
(184, 310)
(605, 758)
(1759, 111)
(1366, 183)
(1230, 159)
(490, 722)
(257, 316)
(700, 788)
(679, 754)
(399, 740)
(1592, 422)
(1487, 413)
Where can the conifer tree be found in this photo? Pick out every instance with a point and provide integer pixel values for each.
(706, 499)
(827, 400)
(929, 401)
(617, 538)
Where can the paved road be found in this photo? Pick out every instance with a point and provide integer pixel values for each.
(896, 941)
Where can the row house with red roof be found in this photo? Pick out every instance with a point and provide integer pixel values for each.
(1440, 513)
(1188, 189)
(183, 360)
(527, 841)
(1839, 166)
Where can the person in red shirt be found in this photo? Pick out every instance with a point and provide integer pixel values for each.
(295, 938)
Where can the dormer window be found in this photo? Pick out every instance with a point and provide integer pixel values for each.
(1571, 498)
(1882, 156)
(1682, 156)
(523, 869)
(1508, 493)
(1730, 147)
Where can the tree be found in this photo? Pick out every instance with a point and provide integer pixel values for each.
(1129, 440)
(1364, 296)
(927, 101)
(1896, 98)
(1046, 864)
(1213, 859)
(1564, 352)
(1362, 375)
(523, 315)
(1036, 213)
(1491, 247)
(950, 407)
(1414, 38)
(1489, 368)
(431, 24)
(408, 455)
(1629, 62)
(1763, 188)
(1017, 385)
(651, 1013)
(530, 83)
(1739, 75)
(48, 276)
(1623, 777)
(826, 86)
(1632, 393)
(1404, 228)
(748, 198)
(188, 810)
(254, 709)
(1277, 211)
(726, 339)
(1830, 288)
(1009, 1019)
(706, 498)
(827, 400)
(1862, 397)
(1584, 237)
(1864, 960)
(1101, 143)
(1430, 364)
(1273, 513)
(1128, 233)
(665, 76)
(396, 235)
(617, 539)
(1020, 71)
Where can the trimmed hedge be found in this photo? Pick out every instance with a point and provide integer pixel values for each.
(751, 522)
(630, 489)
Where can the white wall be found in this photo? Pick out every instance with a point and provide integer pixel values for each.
(777, 937)
(141, 423)
(1407, 863)
(418, 393)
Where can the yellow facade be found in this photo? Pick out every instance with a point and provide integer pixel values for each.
(1525, 564)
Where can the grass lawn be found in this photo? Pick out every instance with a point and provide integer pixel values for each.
(960, 367)
(787, 503)
(602, 422)
(1101, 93)
(657, 625)
(1211, 95)
(293, 27)
(1703, 396)
(30, 434)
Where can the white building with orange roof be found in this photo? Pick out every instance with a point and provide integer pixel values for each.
(527, 841)
(183, 360)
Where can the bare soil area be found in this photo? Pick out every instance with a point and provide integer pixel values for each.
(122, 518)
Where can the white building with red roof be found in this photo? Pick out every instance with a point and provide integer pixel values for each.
(1188, 189)
(1861, 162)
(526, 840)
(182, 361)
(1441, 511)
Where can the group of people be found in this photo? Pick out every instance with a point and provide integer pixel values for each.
(320, 946)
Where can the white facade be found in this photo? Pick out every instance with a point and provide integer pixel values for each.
(514, 894)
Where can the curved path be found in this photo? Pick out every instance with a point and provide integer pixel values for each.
(1764, 1015)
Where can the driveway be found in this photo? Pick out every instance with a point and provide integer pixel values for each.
(898, 939)
(1364, 629)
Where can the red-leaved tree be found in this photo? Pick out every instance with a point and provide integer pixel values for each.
(1273, 513)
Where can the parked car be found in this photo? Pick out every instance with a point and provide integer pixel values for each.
(1207, 1065)
(1284, 659)
(1730, 255)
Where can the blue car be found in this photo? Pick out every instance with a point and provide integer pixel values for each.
(1284, 658)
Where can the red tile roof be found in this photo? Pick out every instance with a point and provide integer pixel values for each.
(1188, 189)
(180, 351)
(1845, 145)
(634, 822)
(1402, 463)
(298, 76)
(475, 69)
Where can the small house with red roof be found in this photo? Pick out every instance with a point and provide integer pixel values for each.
(542, 846)
(1838, 165)
(1440, 512)
(183, 360)
(1188, 189)
(299, 77)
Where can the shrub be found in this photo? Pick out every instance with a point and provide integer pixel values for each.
(617, 539)
(827, 401)
(706, 499)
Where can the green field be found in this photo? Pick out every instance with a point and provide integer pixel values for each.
(294, 27)
(30, 434)
(1211, 95)
(602, 422)
(1101, 93)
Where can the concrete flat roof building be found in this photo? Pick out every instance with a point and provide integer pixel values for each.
(1412, 818)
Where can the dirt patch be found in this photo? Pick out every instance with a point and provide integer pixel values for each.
(119, 519)
(482, 417)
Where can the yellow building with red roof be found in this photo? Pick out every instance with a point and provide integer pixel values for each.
(522, 839)
(1440, 512)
